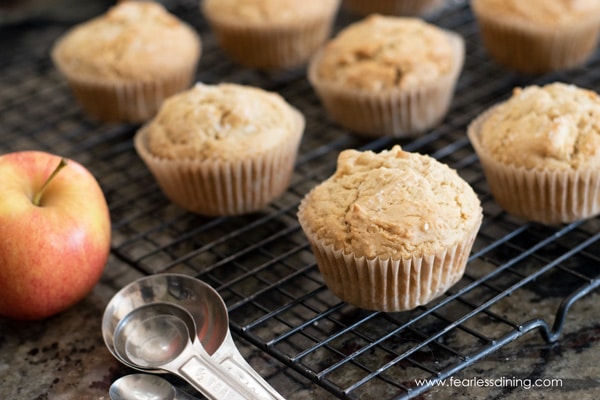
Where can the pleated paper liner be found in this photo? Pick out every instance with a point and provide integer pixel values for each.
(215, 187)
(541, 195)
(386, 284)
(272, 47)
(133, 102)
(393, 7)
(126, 100)
(533, 49)
(395, 112)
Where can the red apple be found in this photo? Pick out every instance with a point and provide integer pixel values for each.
(54, 234)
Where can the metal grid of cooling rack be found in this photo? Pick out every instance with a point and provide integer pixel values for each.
(261, 263)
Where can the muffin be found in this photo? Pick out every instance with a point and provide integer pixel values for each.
(388, 75)
(222, 149)
(121, 65)
(391, 230)
(271, 34)
(393, 7)
(538, 36)
(540, 152)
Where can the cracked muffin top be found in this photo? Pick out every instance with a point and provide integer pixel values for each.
(223, 122)
(543, 12)
(132, 40)
(276, 12)
(386, 52)
(393, 204)
(556, 126)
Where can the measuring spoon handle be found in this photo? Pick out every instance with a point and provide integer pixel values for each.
(245, 375)
(236, 366)
(209, 381)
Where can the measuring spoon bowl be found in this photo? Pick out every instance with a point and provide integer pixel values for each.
(153, 335)
(158, 336)
(201, 351)
(195, 296)
(143, 387)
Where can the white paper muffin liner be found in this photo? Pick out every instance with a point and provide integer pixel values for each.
(272, 47)
(532, 49)
(396, 112)
(393, 7)
(133, 102)
(541, 195)
(386, 284)
(219, 187)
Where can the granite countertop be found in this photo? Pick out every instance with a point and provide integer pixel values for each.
(64, 356)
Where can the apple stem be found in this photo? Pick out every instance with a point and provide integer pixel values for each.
(38, 196)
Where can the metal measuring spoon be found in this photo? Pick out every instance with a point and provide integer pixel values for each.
(145, 387)
(198, 345)
(157, 336)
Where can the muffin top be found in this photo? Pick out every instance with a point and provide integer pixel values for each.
(392, 204)
(259, 12)
(544, 12)
(556, 126)
(386, 52)
(221, 122)
(132, 40)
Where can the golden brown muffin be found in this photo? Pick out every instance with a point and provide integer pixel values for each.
(123, 64)
(538, 36)
(390, 230)
(407, 8)
(540, 151)
(222, 149)
(388, 75)
(271, 34)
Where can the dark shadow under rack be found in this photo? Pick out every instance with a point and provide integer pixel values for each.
(261, 263)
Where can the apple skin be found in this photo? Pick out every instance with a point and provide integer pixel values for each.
(51, 255)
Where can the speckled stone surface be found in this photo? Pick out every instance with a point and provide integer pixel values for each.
(573, 359)
(64, 357)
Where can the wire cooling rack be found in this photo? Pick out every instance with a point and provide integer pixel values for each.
(261, 263)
